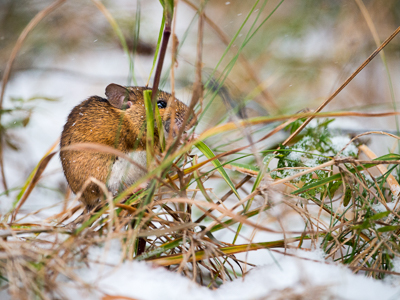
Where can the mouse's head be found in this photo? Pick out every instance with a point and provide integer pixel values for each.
(172, 111)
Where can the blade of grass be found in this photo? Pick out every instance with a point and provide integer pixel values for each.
(201, 254)
(150, 126)
(39, 171)
(168, 12)
(209, 154)
(231, 64)
(28, 181)
(157, 49)
(391, 180)
(230, 222)
(200, 183)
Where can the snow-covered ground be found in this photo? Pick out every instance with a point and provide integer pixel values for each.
(297, 275)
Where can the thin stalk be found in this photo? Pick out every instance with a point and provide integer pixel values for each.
(160, 63)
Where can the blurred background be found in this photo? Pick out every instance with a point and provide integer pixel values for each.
(295, 60)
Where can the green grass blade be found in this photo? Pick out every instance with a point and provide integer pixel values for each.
(201, 187)
(230, 250)
(160, 34)
(150, 126)
(209, 154)
(250, 168)
(233, 39)
(232, 63)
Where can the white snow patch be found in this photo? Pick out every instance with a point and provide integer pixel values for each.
(394, 279)
(295, 156)
(291, 274)
(5, 204)
(379, 207)
(338, 142)
(138, 280)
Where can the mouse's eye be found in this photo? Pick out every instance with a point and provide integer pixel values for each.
(161, 104)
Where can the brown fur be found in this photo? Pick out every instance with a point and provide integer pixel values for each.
(95, 120)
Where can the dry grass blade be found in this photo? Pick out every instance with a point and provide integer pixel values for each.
(222, 251)
(229, 213)
(167, 16)
(368, 133)
(28, 181)
(163, 232)
(15, 232)
(42, 166)
(267, 120)
(312, 170)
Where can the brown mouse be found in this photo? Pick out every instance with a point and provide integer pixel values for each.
(120, 122)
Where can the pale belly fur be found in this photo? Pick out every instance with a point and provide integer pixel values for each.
(124, 174)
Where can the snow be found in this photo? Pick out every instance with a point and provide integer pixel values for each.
(338, 142)
(296, 155)
(379, 207)
(300, 273)
(393, 279)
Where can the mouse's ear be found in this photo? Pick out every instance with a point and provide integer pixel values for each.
(117, 95)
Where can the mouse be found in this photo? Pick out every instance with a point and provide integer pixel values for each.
(119, 121)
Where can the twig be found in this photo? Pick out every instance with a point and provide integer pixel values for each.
(160, 62)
